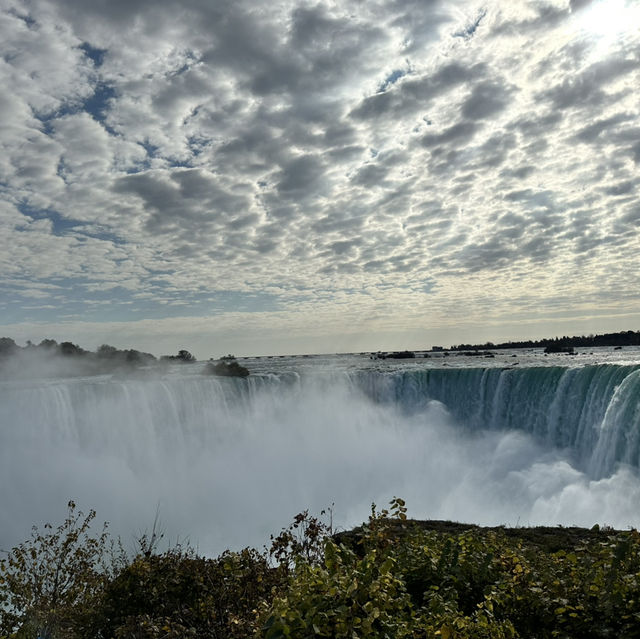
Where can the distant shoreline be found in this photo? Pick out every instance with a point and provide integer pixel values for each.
(622, 338)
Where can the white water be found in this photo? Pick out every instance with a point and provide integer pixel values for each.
(230, 461)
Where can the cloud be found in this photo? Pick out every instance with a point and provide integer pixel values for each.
(300, 177)
(588, 88)
(606, 126)
(173, 156)
(416, 92)
(486, 100)
(460, 133)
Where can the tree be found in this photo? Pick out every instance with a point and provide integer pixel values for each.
(106, 351)
(226, 369)
(7, 346)
(71, 349)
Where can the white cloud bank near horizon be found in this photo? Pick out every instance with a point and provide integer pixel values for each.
(318, 176)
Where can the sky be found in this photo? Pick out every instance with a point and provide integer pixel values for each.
(295, 177)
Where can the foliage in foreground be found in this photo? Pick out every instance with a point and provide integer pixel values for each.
(389, 578)
(50, 583)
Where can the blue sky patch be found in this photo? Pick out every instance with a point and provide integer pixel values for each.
(60, 224)
(98, 104)
(391, 79)
(96, 54)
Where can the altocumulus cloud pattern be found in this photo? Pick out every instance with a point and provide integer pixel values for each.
(326, 175)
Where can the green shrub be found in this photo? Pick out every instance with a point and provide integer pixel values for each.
(362, 591)
(178, 594)
(346, 596)
(388, 578)
(49, 584)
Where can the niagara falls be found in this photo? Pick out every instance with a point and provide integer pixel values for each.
(522, 439)
(319, 319)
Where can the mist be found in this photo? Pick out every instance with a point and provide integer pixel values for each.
(227, 462)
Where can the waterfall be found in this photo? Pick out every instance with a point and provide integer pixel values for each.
(594, 410)
(229, 461)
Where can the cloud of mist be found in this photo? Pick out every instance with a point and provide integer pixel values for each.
(50, 360)
(227, 466)
(38, 364)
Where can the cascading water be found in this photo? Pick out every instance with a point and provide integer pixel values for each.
(594, 411)
(229, 461)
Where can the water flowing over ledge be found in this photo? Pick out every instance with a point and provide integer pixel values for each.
(231, 460)
(593, 410)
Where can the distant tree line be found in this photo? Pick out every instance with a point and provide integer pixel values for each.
(69, 349)
(623, 338)
(182, 356)
(105, 358)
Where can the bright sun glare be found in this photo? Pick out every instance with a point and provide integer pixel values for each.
(609, 19)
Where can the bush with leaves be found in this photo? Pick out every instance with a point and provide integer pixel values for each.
(362, 591)
(483, 583)
(388, 578)
(346, 596)
(50, 584)
(178, 594)
(302, 540)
